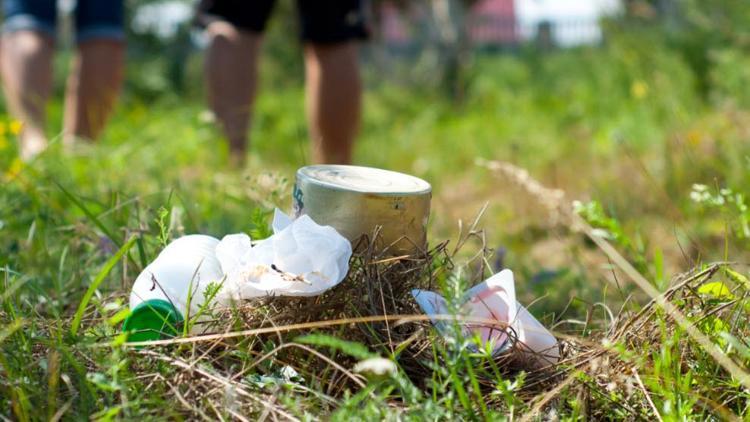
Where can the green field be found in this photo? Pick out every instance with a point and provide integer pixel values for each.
(659, 165)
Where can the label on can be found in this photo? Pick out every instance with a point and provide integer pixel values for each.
(298, 205)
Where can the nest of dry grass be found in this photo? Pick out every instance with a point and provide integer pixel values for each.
(590, 368)
(370, 305)
(374, 305)
(378, 286)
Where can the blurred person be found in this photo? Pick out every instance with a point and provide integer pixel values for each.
(329, 30)
(26, 54)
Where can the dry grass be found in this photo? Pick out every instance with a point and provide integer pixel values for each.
(604, 369)
(208, 373)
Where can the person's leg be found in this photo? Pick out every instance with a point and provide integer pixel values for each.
(26, 50)
(92, 88)
(98, 68)
(234, 29)
(333, 94)
(231, 77)
(26, 58)
(333, 87)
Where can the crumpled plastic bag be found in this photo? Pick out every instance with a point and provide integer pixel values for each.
(302, 258)
(494, 299)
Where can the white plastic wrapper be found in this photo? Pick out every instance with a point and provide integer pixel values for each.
(302, 258)
(495, 299)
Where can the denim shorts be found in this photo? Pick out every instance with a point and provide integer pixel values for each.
(94, 19)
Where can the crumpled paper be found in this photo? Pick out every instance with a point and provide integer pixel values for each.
(494, 299)
(302, 258)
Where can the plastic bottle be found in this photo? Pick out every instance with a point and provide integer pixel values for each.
(171, 289)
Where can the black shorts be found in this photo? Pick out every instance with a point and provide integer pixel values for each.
(328, 21)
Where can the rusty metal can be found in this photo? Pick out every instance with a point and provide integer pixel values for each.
(355, 200)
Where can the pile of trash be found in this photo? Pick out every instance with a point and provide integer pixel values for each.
(197, 274)
(196, 277)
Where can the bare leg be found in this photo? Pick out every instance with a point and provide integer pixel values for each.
(26, 65)
(231, 75)
(334, 94)
(93, 87)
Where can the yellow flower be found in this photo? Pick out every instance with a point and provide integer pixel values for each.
(3, 128)
(3, 142)
(639, 89)
(15, 169)
(15, 127)
(694, 137)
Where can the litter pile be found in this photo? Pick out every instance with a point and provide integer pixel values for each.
(309, 272)
(197, 274)
(258, 297)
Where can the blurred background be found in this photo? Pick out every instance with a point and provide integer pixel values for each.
(637, 108)
(443, 33)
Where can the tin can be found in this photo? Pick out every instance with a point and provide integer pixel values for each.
(355, 200)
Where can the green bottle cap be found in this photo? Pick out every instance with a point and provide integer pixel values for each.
(153, 319)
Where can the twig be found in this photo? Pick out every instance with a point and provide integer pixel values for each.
(548, 397)
(645, 393)
(240, 417)
(217, 379)
(397, 319)
(61, 411)
(187, 405)
(472, 229)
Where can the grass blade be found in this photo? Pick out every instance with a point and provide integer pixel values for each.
(97, 281)
(350, 348)
(90, 215)
(11, 328)
(11, 289)
(142, 251)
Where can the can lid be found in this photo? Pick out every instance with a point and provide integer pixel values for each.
(363, 179)
(153, 319)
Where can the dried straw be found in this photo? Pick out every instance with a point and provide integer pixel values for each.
(367, 306)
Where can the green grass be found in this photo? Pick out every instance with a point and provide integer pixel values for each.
(621, 126)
